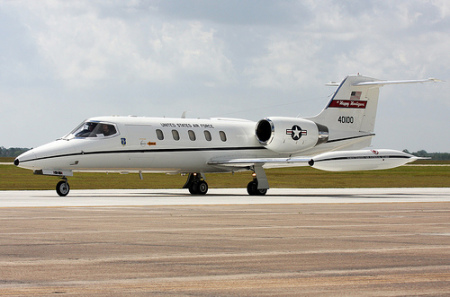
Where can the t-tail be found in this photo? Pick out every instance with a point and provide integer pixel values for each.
(351, 112)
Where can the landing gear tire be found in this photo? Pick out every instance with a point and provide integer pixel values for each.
(202, 188)
(62, 188)
(198, 188)
(252, 189)
(193, 188)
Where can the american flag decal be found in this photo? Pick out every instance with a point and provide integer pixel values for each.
(355, 95)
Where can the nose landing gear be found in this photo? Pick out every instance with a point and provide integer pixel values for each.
(63, 188)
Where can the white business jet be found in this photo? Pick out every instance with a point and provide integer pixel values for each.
(329, 141)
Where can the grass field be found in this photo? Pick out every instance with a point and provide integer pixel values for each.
(13, 178)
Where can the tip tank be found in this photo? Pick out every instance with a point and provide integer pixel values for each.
(361, 160)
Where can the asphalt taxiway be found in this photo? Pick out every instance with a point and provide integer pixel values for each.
(292, 242)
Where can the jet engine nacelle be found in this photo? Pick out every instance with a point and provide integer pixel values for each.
(290, 135)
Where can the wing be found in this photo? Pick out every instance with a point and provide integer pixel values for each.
(264, 162)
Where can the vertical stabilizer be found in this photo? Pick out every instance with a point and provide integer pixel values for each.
(350, 114)
(353, 106)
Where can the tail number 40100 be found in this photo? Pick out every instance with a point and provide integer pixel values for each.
(345, 120)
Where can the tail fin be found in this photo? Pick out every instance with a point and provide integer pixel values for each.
(353, 106)
(352, 110)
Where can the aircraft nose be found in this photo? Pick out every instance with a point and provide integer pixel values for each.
(24, 159)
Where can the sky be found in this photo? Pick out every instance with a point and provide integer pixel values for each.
(64, 61)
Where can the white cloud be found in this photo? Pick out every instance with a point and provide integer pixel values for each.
(386, 41)
(83, 47)
(249, 58)
(193, 50)
(287, 64)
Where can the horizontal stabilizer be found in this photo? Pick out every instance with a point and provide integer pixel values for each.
(395, 82)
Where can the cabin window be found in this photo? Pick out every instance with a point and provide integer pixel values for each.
(207, 135)
(93, 129)
(223, 136)
(191, 135)
(159, 134)
(176, 135)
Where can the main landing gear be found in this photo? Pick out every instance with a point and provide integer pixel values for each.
(63, 188)
(252, 188)
(258, 186)
(196, 184)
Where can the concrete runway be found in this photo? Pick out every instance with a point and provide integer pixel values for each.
(292, 242)
(149, 197)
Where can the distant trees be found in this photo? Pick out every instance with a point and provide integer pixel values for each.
(433, 156)
(12, 151)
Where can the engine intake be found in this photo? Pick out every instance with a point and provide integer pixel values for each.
(264, 131)
(290, 135)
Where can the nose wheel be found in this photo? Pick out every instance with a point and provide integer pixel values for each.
(63, 188)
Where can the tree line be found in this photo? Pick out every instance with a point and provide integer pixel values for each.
(12, 151)
(433, 156)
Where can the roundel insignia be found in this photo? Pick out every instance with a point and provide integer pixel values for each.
(296, 132)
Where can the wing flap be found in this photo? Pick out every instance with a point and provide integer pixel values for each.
(264, 162)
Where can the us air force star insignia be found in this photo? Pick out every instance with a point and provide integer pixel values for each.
(296, 132)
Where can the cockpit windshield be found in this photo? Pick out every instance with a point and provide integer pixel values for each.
(92, 129)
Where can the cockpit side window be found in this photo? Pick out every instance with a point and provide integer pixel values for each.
(86, 130)
(93, 129)
(106, 130)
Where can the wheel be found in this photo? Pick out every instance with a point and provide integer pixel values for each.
(62, 188)
(198, 188)
(202, 188)
(261, 192)
(193, 188)
(252, 189)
